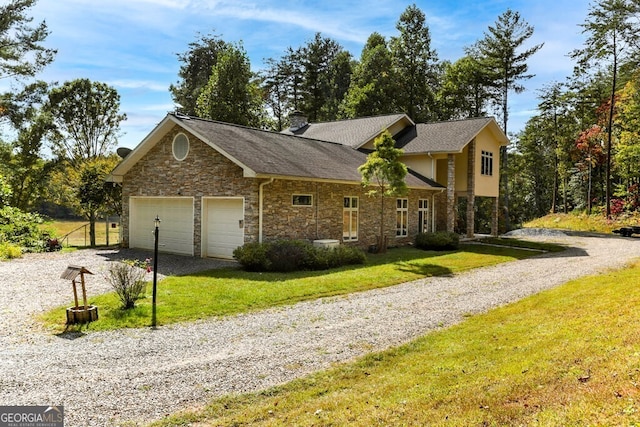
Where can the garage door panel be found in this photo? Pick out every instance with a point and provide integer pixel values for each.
(224, 227)
(176, 226)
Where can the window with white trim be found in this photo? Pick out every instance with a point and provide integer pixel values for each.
(350, 219)
(180, 146)
(402, 214)
(302, 200)
(486, 166)
(423, 216)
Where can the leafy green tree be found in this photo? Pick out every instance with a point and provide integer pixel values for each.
(275, 87)
(195, 71)
(613, 33)
(415, 65)
(373, 83)
(465, 89)
(627, 156)
(339, 80)
(21, 51)
(92, 191)
(323, 61)
(232, 94)
(86, 123)
(24, 166)
(385, 174)
(29, 171)
(506, 65)
(5, 192)
(86, 120)
(313, 78)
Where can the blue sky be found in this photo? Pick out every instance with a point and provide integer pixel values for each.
(132, 44)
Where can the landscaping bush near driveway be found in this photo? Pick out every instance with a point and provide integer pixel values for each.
(438, 241)
(295, 255)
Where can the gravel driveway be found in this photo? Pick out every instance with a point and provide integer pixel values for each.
(109, 378)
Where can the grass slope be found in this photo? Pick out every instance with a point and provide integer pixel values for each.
(569, 356)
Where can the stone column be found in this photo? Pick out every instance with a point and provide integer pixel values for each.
(471, 188)
(451, 192)
(494, 216)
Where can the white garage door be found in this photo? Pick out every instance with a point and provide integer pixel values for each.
(176, 223)
(224, 227)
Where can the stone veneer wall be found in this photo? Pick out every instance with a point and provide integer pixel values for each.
(206, 173)
(202, 173)
(324, 219)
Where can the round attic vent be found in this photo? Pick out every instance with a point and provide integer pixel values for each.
(180, 146)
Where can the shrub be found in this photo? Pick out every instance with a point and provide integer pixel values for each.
(20, 228)
(253, 256)
(290, 255)
(127, 280)
(295, 255)
(9, 251)
(438, 241)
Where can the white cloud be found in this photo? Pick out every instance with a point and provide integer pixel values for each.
(139, 84)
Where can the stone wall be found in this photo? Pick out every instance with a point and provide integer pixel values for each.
(324, 219)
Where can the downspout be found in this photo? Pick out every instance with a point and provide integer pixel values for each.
(261, 206)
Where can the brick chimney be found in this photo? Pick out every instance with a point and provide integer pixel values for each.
(297, 121)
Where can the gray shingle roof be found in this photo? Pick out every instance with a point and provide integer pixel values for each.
(276, 154)
(442, 137)
(352, 132)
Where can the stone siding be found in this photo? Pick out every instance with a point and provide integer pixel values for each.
(323, 220)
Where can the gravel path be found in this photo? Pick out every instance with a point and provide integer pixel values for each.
(109, 378)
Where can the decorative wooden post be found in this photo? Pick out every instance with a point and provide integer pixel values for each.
(77, 314)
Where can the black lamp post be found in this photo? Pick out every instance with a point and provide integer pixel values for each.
(155, 270)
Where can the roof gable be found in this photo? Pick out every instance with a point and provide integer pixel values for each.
(352, 132)
(447, 137)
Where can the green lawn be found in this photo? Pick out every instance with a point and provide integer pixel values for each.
(583, 222)
(77, 232)
(231, 291)
(569, 356)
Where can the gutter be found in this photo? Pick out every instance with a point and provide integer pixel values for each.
(261, 206)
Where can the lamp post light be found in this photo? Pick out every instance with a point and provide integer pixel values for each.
(155, 270)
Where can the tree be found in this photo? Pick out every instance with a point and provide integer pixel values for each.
(93, 191)
(195, 71)
(86, 123)
(613, 34)
(25, 168)
(5, 192)
(373, 83)
(506, 66)
(550, 109)
(339, 80)
(274, 85)
(22, 56)
(464, 92)
(414, 62)
(232, 94)
(323, 62)
(86, 120)
(28, 170)
(627, 156)
(385, 173)
(21, 50)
